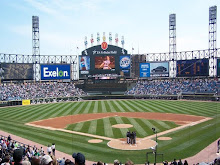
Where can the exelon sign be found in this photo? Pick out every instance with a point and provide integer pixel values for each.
(51, 72)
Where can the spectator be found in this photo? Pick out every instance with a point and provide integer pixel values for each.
(99, 163)
(180, 162)
(218, 145)
(49, 150)
(79, 158)
(17, 156)
(185, 162)
(53, 149)
(68, 162)
(116, 162)
(46, 160)
(6, 160)
(129, 163)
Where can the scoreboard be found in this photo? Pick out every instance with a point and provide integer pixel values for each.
(194, 67)
(97, 60)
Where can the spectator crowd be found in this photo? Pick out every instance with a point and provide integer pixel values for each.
(16, 153)
(175, 87)
(19, 91)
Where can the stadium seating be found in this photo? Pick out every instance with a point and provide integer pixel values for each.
(19, 91)
(176, 87)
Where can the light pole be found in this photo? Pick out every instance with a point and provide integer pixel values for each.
(155, 151)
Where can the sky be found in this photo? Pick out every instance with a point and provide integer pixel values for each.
(64, 24)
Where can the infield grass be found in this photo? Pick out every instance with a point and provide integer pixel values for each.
(185, 142)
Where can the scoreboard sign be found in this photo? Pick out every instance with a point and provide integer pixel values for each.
(195, 67)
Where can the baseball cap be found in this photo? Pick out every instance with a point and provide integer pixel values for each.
(79, 158)
(46, 159)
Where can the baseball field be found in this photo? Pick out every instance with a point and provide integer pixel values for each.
(183, 122)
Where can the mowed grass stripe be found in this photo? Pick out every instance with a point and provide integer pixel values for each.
(159, 107)
(7, 111)
(79, 108)
(112, 109)
(100, 127)
(126, 106)
(138, 108)
(100, 107)
(37, 113)
(92, 127)
(91, 107)
(154, 107)
(108, 127)
(23, 113)
(78, 126)
(40, 113)
(119, 107)
(71, 109)
(60, 110)
(147, 106)
(131, 105)
(83, 107)
(86, 110)
(107, 106)
(95, 109)
(48, 114)
(186, 109)
(61, 113)
(103, 107)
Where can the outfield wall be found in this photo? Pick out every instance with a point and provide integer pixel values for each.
(201, 97)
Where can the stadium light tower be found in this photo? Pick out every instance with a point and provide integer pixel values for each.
(35, 36)
(212, 40)
(35, 45)
(172, 44)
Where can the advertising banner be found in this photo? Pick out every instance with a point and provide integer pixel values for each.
(125, 64)
(145, 70)
(55, 72)
(159, 69)
(26, 102)
(84, 64)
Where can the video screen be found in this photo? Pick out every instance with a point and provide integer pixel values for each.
(17, 71)
(105, 62)
(193, 68)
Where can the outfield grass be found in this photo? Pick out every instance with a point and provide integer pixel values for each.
(184, 143)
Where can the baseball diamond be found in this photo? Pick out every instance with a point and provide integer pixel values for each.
(96, 118)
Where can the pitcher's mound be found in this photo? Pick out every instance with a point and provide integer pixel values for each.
(95, 141)
(122, 126)
(141, 144)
